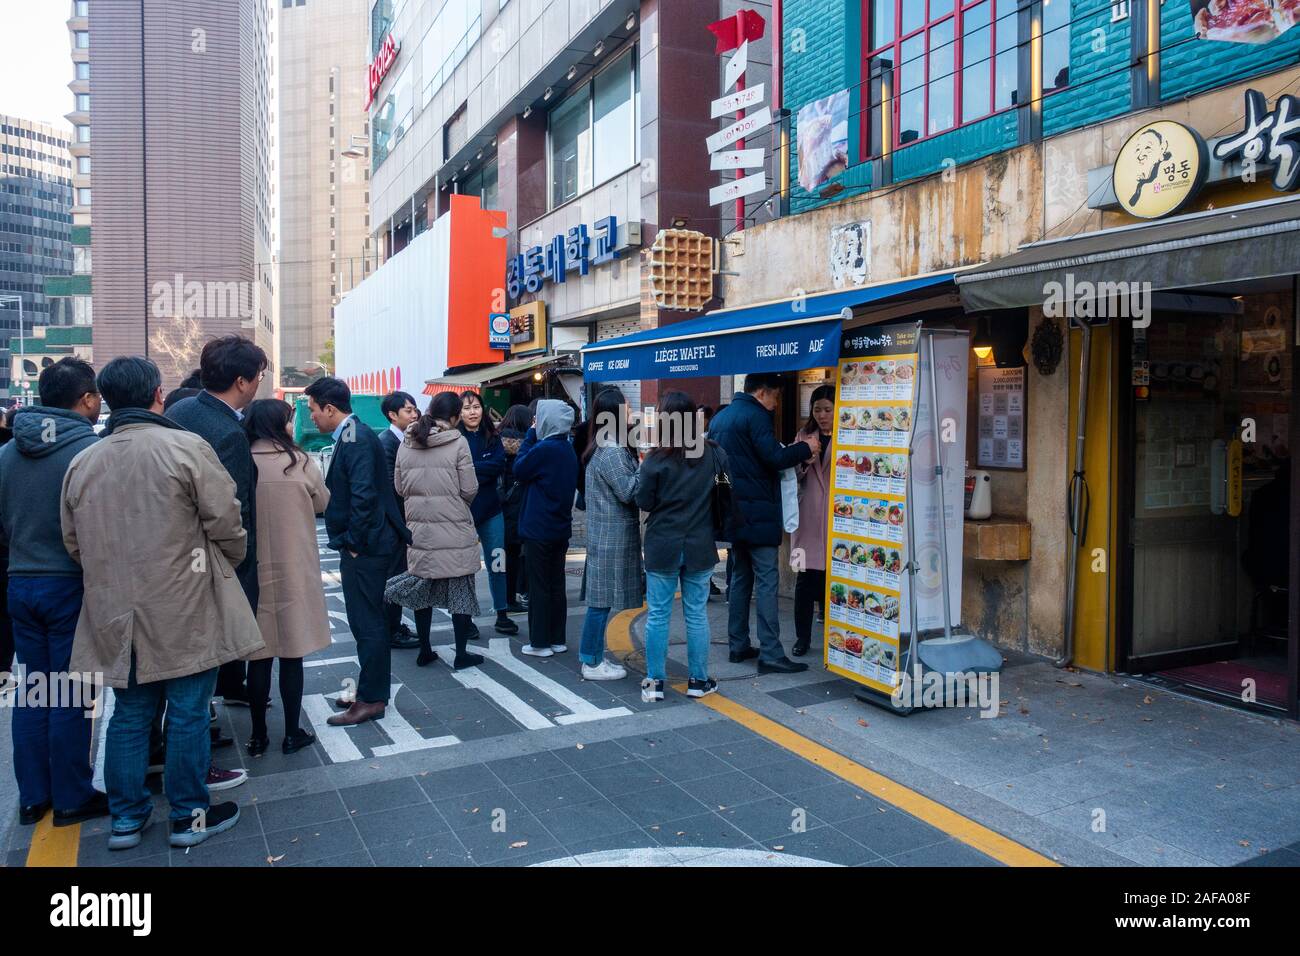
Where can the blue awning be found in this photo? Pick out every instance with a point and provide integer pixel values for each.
(777, 337)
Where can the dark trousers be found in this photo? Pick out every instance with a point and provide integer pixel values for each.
(6, 625)
(51, 743)
(515, 581)
(548, 607)
(232, 675)
(259, 688)
(364, 578)
(809, 589)
(423, 616)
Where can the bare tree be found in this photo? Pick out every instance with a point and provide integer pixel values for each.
(176, 345)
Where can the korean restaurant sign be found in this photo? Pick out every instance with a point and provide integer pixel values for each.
(379, 67)
(528, 328)
(1267, 137)
(1159, 169)
(567, 252)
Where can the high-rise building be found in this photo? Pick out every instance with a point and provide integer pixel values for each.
(324, 173)
(181, 153)
(35, 236)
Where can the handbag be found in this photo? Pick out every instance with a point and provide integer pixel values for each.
(722, 503)
(790, 500)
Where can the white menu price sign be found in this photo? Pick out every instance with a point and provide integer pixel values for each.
(1001, 417)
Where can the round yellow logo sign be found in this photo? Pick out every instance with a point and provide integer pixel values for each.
(1159, 169)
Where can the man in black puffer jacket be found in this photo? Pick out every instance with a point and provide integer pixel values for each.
(755, 461)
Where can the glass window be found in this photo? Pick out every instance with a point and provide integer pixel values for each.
(571, 147)
(83, 165)
(942, 78)
(82, 8)
(81, 260)
(882, 23)
(83, 39)
(83, 134)
(614, 120)
(913, 15)
(83, 71)
(976, 50)
(911, 89)
(1056, 45)
(1007, 69)
(83, 102)
(83, 196)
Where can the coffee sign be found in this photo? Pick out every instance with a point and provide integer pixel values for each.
(1159, 169)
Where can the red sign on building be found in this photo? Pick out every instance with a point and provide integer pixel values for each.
(379, 68)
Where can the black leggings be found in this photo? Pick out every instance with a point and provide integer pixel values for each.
(259, 689)
(809, 589)
(516, 582)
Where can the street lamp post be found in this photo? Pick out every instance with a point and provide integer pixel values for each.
(22, 341)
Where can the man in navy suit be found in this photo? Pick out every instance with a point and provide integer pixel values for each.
(365, 525)
(400, 410)
(231, 369)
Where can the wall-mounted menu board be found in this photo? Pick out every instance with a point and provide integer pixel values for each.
(1000, 417)
(874, 412)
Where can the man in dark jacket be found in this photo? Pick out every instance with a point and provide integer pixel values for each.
(547, 470)
(400, 410)
(51, 743)
(365, 525)
(755, 461)
(231, 369)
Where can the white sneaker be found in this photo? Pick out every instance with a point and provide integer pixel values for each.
(559, 648)
(538, 651)
(605, 670)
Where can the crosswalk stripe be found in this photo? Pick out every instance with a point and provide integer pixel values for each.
(503, 697)
(335, 740)
(499, 652)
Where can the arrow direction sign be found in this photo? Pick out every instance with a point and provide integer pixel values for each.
(740, 129)
(737, 189)
(736, 66)
(735, 102)
(737, 159)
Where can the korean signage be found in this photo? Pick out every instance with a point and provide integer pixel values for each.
(885, 432)
(1267, 136)
(499, 330)
(1159, 169)
(572, 251)
(528, 328)
(1001, 417)
(380, 66)
(735, 33)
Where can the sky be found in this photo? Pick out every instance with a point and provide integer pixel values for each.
(35, 60)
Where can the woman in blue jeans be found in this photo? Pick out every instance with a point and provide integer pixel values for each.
(677, 492)
(612, 578)
(489, 462)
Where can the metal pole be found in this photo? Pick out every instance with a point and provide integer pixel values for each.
(1076, 494)
(938, 471)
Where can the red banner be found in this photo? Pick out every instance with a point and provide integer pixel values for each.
(733, 31)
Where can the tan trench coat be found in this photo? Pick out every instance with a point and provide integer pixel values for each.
(151, 516)
(437, 482)
(291, 603)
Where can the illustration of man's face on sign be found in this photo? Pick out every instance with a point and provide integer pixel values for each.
(1150, 152)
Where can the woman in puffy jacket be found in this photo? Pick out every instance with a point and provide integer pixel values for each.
(434, 474)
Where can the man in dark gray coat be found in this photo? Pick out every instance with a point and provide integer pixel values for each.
(231, 369)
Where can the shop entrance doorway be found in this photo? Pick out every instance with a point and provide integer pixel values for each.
(1205, 477)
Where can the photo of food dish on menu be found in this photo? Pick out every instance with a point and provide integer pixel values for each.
(878, 379)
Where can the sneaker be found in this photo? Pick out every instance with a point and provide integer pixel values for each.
(191, 832)
(701, 688)
(559, 648)
(605, 670)
(652, 690)
(538, 651)
(130, 835)
(516, 608)
(219, 779)
(506, 626)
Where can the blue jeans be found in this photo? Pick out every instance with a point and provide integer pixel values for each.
(592, 649)
(492, 535)
(51, 744)
(189, 747)
(754, 569)
(660, 588)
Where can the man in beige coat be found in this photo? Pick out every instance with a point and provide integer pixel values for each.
(151, 516)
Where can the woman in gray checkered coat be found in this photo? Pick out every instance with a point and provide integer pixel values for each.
(614, 574)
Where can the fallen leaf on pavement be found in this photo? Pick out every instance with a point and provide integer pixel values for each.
(518, 843)
(275, 859)
(862, 723)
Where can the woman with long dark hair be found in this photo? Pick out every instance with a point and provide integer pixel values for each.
(514, 427)
(676, 490)
(435, 475)
(489, 456)
(291, 610)
(808, 543)
(614, 571)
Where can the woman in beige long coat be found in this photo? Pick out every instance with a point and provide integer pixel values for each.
(291, 605)
(434, 475)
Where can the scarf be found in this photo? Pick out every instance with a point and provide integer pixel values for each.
(136, 416)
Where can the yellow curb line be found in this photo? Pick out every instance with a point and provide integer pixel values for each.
(976, 835)
(54, 846)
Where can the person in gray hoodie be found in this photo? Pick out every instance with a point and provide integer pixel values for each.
(51, 743)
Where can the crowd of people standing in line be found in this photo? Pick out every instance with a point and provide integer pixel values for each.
(174, 555)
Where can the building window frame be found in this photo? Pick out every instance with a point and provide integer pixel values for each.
(587, 90)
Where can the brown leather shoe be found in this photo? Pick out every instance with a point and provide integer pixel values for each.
(358, 713)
